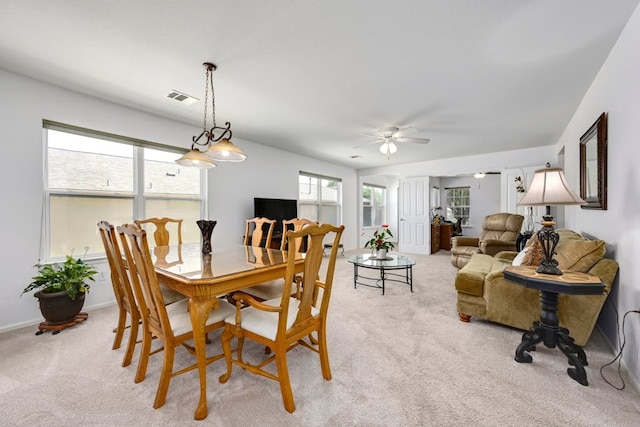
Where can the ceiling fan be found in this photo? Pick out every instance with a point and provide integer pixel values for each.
(388, 136)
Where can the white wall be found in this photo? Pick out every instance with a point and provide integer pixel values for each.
(615, 90)
(26, 102)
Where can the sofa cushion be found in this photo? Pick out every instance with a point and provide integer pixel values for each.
(577, 253)
(573, 252)
(534, 252)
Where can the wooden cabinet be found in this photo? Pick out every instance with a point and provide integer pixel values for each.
(446, 231)
(435, 238)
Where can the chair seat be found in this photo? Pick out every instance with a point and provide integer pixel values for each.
(268, 290)
(180, 318)
(264, 323)
(170, 296)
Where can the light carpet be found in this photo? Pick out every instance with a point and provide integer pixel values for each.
(402, 359)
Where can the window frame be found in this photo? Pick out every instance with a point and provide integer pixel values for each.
(138, 196)
(319, 203)
(456, 208)
(375, 205)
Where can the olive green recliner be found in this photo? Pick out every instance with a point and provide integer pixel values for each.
(498, 234)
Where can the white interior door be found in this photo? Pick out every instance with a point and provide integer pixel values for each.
(415, 219)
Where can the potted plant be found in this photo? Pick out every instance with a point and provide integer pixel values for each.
(61, 289)
(380, 242)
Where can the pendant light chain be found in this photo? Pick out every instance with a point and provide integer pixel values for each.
(209, 81)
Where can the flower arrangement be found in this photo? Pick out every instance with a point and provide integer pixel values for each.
(380, 239)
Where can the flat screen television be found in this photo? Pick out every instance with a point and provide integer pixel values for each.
(278, 209)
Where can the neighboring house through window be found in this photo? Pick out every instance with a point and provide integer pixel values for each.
(458, 205)
(320, 198)
(91, 176)
(373, 205)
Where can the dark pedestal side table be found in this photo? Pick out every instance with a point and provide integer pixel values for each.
(547, 329)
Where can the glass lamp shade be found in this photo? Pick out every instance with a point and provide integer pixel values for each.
(388, 148)
(195, 158)
(549, 187)
(225, 151)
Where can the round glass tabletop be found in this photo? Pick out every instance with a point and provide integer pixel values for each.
(391, 261)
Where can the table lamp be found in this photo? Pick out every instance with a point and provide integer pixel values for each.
(549, 187)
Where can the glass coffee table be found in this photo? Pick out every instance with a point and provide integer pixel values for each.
(387, 270)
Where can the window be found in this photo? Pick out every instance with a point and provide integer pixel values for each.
(458, 203)
(91, 177)
(373, 205)
(320, 198)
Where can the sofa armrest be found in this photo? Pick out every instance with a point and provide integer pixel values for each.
(464, 241)
(492, 247)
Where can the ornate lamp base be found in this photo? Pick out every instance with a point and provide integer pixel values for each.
(548, 240)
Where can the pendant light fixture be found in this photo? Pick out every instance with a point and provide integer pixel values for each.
(220, 147)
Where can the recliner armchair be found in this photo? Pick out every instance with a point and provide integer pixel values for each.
(498, 234)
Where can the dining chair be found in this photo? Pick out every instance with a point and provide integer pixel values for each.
(283, 323)
(122, 290)
(171, 324)
(255, 234)
(161, 235)
(273, 289)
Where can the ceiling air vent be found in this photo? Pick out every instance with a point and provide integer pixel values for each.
(182, 98)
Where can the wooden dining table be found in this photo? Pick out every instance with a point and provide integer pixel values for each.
(203, 278)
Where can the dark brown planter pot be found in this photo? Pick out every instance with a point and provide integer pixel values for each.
(58, 308)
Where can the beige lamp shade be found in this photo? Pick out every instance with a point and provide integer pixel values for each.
(225, 151)
(550, 187)
(195, 158)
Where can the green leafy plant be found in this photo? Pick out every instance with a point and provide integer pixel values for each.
(380, 239)
(69, 276)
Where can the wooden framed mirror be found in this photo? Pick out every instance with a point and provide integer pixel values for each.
(593, 165)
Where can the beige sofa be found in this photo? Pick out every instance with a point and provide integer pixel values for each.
(498, 234)
(483, 292)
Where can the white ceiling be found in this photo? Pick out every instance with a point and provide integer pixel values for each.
(310, 76)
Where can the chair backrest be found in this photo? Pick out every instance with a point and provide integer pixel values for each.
(161, 234)
(311, 280)
(144, 280)
(119, 277)
(295, 224)
(501, 226)
(254, 232)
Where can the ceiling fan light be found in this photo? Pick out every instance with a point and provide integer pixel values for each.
(388, 148)
(195, 158)
(225, 151)
(479, 175)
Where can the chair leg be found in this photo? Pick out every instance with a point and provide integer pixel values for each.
(133, 338)
(226, 348)
(324, 354)
(240, 346)
(283, 377)
(165, 376)
(122, 319)
(145, 352)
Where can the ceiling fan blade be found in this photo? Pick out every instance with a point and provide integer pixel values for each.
(369, 143)
(375, 135)
(413, 140)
